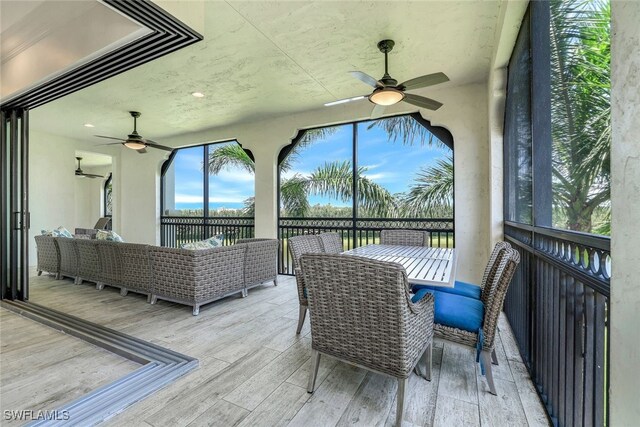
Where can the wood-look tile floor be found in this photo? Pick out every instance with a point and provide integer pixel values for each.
(42, 369)
(254, 368)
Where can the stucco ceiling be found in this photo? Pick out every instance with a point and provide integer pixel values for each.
(91, 160)
(42, 39)
(266, 59)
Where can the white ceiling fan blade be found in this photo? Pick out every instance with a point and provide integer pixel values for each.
(377, 111)
(424, 81)
(109, 137)
(345, 100)
(422, 102)
(366, 78)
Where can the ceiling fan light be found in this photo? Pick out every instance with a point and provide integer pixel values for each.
(386, 96)
(134, 145)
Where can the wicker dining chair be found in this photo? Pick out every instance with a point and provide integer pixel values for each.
(361, 313)
(331, 243)
(469, 289)
(404, 237)
(299, 245)
(485, 313)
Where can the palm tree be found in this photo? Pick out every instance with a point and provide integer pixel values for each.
(580, 107)
(431, 194)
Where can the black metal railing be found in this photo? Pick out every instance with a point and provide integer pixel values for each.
(358, 232)
(558, 308)
(177, 230)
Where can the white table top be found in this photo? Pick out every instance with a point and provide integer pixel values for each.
(424, 265)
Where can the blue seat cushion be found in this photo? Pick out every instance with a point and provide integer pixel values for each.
(460, 288)
(454, 310)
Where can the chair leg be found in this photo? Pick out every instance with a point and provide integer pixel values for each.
(149, 298)
(494, 357)
(313, 373)
(99, 286)
(39, 272)
(245, 293)
(302, 313)
(428, 358)
(486, 360)
(196, 309)
(123, 292)
(153, 299)
(275, 282)
(402, 386)
(58, 276)
(77, 281)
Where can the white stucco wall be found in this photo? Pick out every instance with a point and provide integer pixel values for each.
(56, 196)
(625, 208)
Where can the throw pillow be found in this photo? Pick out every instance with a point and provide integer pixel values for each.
(46, 232)
(211, 242)
(109, 235)
(62, 232)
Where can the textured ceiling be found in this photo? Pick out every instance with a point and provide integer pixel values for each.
(267, 59)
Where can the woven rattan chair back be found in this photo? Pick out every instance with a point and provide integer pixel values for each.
(331, 243)
(305, 244)
(88, 262)
(497, 293)
(136, 268)
(110, 265)
(361, 312)
(48, 255)
(495, 258)
(404, 237)
(68, 256)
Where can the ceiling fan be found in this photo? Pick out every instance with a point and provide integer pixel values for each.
(134, 140)
(85, 175)
(387, 91)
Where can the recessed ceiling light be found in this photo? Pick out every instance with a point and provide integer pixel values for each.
(198, 94)
(88, 125)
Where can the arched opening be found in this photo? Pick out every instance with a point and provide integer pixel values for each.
(207, 190)
(361, 177)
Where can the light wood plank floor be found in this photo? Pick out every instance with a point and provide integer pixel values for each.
(253, 367)
(45, 368)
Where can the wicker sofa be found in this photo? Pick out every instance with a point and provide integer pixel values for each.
(180, 275)
(197, 277)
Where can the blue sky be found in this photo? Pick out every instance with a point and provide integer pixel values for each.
(389, 164)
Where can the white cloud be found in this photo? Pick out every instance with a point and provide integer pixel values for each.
(234, 175)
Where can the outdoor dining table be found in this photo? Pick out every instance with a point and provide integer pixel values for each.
(424, 265)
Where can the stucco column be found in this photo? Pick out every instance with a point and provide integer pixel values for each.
(138, 209)
(265, 147)
(625, 208)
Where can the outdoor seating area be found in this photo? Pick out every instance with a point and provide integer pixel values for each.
(190, 277)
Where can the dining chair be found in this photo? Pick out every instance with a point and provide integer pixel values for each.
(361, 313)
(299, 245)
(469, 289)
(404, 237)
(331, 243)
(473, 322)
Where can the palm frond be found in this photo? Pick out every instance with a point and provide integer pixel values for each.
(229, 155)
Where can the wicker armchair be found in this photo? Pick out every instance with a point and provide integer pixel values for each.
(404, 237)
(69, 255)
(135, 275)
(88, 261)
(299, 245)
(261, 263)
(361, 313)
(494, 293)
(331, 243)
(48, 255)
(196, 277)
